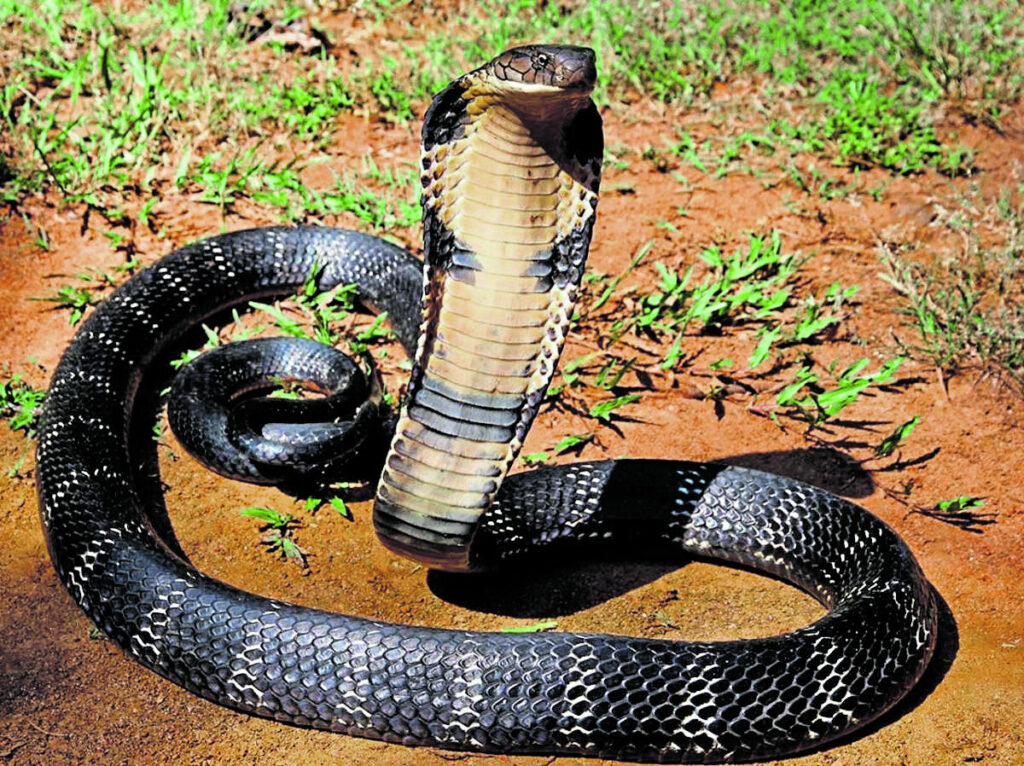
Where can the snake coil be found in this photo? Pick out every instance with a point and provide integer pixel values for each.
(511, 160)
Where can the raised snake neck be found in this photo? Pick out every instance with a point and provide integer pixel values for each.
(510, 175)
(598, 695)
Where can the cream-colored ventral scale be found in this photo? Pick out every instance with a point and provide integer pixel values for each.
(495, 318)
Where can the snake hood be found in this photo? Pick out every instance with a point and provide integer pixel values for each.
(510, 172)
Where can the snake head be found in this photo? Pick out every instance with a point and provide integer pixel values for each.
(565, 67)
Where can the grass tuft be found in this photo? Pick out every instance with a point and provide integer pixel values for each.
(965, 314)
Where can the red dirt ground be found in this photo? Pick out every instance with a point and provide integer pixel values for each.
(69, 698)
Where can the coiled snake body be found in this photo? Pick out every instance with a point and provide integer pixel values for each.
(511, 159)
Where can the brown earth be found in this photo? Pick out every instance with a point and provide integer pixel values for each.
(68, 698)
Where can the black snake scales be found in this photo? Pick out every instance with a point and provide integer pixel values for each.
(511, 159)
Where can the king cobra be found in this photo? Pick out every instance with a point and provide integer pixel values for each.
(511, 156)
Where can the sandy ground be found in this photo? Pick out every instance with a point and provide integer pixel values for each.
(66, 697)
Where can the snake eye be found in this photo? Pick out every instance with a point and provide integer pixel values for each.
(542, 60)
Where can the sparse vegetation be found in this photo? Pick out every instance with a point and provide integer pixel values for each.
(808, 399)
(279, 529)
(894, 440)
(325, 316)
(961, 512)
(536, 627)
(97, 99)
(91, 289)
(20, 404)
(965, 311)
(121, 113)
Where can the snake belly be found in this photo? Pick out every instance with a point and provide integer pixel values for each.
(595, 695)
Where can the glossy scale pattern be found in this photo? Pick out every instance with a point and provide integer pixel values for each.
(596, 695)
